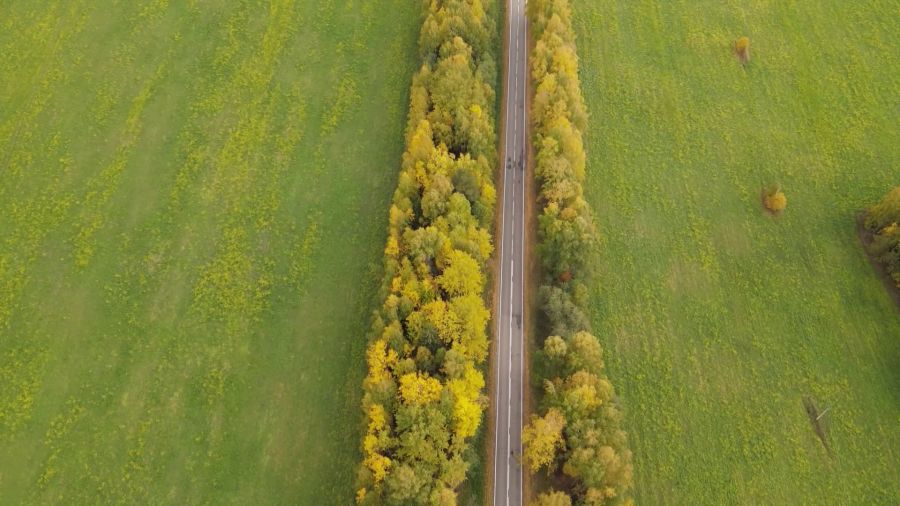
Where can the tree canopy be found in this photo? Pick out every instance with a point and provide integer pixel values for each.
(580, 424)
(423, 395)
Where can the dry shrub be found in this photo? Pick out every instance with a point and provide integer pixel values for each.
(742, 49)
(775, 200)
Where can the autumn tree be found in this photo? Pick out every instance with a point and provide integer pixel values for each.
(884, 213)
(553, 498)
(883, 222)
(461, 276)
(542, 438)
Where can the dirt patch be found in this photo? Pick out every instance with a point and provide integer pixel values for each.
(865, 238)
(817, 418)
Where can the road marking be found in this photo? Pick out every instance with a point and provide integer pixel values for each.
(512, 283)
(522, 239)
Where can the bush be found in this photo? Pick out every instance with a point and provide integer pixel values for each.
(884, 213)
(742, 49)
(883, 221)
(775, 200)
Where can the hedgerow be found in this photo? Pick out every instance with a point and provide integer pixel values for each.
(423, 394)
(577, 438)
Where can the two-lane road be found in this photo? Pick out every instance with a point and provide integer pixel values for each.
(510, 342)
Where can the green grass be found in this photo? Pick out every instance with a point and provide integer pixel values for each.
(718, 319)
(193, 204)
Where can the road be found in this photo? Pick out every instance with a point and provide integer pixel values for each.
(510, 342)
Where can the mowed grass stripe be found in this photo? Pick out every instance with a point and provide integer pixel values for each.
(208, 349)
(720, 319)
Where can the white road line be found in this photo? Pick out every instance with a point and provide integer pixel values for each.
(512, 282)
(522, 238)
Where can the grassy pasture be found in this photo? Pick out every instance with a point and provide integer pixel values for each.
(718, 318)
(192, 212)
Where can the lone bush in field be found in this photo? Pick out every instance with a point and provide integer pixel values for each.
(742, 49)
(883, 221)
(775, 200)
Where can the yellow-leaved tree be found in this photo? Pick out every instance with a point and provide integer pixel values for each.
(542, 438)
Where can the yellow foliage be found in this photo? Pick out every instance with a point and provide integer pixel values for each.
(565, 62)
(377, 417)
(462, 274)
(438, 314)
(776, 201)
(398, 217)
(421, 145)
(409, 290)
(419, 388)
(379, 465)
(360, 495)
(392, 249)
(370, 443)
(467, 409)
(467, 321)
(379, 358)
(542, 437)
(742, 49)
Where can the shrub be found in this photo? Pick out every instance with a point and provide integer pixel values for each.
(742, 49)
(775, 200)
(883, 221)
(885, 212)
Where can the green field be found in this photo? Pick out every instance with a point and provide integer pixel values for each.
(719, 319)
(193, 207)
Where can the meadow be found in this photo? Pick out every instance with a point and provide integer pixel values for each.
(193, 208)
(719, 320)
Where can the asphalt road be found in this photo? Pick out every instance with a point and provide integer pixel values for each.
(510, 343)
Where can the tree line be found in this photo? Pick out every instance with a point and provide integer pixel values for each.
(423, 395)
(577, 437)
(883, 222)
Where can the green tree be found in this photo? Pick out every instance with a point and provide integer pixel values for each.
(585, 353)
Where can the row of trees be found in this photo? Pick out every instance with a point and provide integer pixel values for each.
(423, 394)
(577, 438)
(883, 221)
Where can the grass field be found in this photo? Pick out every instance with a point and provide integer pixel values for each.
(192, 211)
(718, 318)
